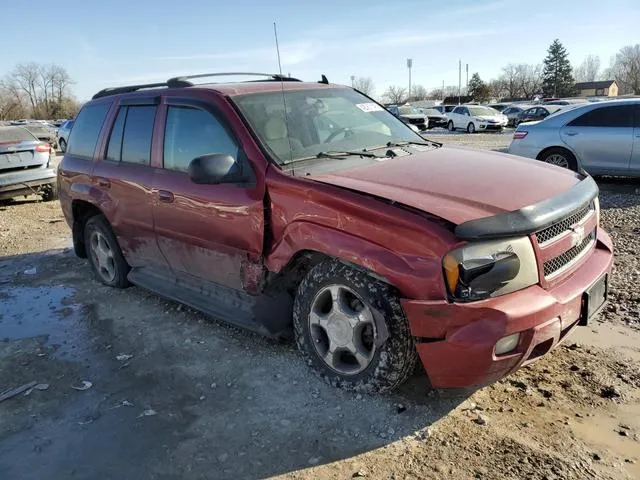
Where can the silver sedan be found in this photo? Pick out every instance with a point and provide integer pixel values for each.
(600, 138)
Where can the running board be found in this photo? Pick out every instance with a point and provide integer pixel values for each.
(226, 304)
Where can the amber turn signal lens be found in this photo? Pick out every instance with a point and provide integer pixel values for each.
(451, 271)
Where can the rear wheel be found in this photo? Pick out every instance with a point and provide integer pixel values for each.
(351, 329)
(49, 192)
(450, 126)
(560, 158)
(471, 128)
(62, 144)
(104, 254)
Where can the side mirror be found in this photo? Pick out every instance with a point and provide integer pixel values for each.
(215, 168)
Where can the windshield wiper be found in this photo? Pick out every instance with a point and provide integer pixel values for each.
(346, 153)
(428, 143)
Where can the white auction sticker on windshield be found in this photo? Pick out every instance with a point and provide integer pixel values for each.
(369, 107)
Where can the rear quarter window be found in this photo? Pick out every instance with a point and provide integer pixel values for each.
(86, 130)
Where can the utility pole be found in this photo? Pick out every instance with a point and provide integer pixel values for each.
(353, 79)
(467, 88)
(409, 65)
(459, 79)
(443, 90)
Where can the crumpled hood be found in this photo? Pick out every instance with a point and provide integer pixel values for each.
(457, 184)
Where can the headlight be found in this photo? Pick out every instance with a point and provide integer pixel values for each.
(492, 268)
(413, 127)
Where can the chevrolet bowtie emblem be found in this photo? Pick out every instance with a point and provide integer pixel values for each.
(577, 236)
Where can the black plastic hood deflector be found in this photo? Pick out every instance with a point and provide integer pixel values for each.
(532, 218)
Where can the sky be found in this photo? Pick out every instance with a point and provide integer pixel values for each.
(119, 42)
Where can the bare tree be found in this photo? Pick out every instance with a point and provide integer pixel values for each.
(625, 69)
(365, 85)
(11, 106)
(521, 80)
(46, 88)
(497, 88)
(395, 94)
(418, 92)
(588, 70)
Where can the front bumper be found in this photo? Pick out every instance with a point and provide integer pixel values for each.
(21, 182)
(490, 126)
(456, 340)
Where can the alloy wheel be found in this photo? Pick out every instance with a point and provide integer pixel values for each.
(103, 256)
(342, 329)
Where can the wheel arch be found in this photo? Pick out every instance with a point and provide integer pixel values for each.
(82, 211)
(310, 243)
(545, 150)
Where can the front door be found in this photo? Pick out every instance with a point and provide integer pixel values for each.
(213, 232)
(602, 139)
(123, 177)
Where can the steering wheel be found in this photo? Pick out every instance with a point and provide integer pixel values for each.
(346, 131)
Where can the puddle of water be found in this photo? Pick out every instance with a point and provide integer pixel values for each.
(28, 312)
(601, 431)
(604, 335)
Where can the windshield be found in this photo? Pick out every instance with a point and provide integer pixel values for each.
(320, 120)
(15, 134)
(430, 111)
(482, 110)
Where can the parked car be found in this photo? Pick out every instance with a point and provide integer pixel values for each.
(24, 165)
(533, 114)
(42, 132)
(444, 109)
(600, 138)
(566, 101)
(410, 115)
(63, 135)
(501, 107)
(435, 118)
(325, 218)
(476, 118)
(513, 112)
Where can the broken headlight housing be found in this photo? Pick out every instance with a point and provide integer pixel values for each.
(485, 269)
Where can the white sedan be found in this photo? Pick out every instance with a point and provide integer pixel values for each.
(476, 118)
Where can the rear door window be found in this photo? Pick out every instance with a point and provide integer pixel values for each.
(84, 136)
(610, 116)
(191, 133)
(131, 135)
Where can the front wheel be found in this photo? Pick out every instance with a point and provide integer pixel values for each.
(471, 128)
(450, 126)
(351, 329)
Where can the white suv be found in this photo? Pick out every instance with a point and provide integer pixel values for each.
(474, 118)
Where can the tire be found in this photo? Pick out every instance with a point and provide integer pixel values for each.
(450, 126)
(471, 128)
(560, 157)
(98, 231)
(62, 144)
(49, 192)
(389, 355)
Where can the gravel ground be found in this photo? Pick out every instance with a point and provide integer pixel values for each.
(175, 394)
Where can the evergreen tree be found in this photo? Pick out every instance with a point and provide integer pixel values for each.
(478, 89)
(557, 76)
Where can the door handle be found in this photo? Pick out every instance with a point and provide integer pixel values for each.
(103, 182)
(572, 134)
(165, 196)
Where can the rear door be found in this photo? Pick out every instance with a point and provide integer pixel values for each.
(602, 139)
(124, 179)
(634, 166)
(212, 232)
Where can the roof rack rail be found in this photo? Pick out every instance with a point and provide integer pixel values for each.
(183, 81)
(105, 92)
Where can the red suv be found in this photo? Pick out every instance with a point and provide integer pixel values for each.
(308, 208)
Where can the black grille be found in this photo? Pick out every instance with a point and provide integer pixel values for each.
(555, 264)
(562, 226)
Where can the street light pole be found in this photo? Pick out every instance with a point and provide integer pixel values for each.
(353, 79)
(459, 79)
(409, 65)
